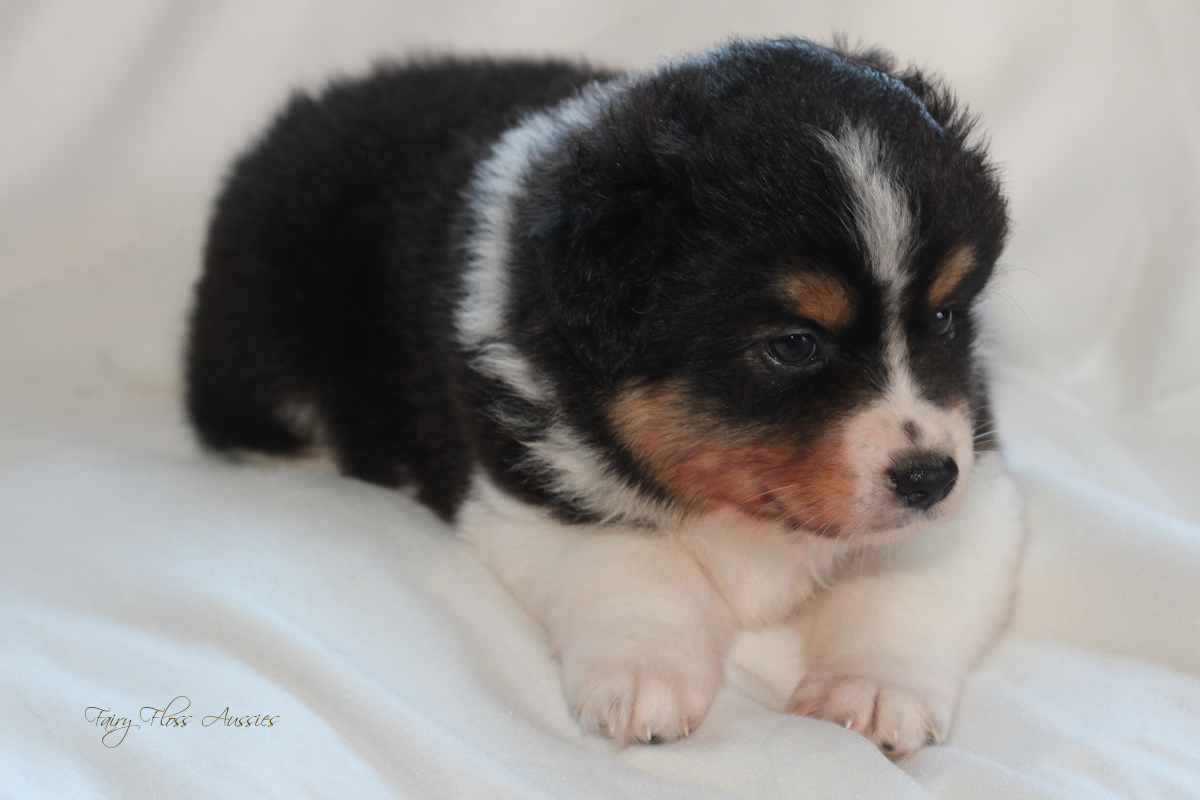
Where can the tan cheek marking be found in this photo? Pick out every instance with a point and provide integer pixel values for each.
(706, 464)
(822, 299)
(820, 493)
(950, 274)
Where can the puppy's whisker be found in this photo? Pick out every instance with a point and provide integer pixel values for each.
(767, 492)
(796, 489)
(785, 520)
(805, 525)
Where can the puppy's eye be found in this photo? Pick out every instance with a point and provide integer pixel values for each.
(795, 348)
(942, 320)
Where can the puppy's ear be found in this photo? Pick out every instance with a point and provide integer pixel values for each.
(931, 91)
(606, 218)
(938, 100)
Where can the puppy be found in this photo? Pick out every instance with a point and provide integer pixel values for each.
(681, 353)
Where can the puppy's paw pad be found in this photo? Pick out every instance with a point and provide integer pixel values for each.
(899, 720)
(641, 703)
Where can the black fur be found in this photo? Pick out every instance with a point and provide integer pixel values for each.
(644, 248)
(330, 270)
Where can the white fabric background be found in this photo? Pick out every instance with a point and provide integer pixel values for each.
(133, 569)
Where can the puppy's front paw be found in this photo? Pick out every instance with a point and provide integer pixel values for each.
(650, 698)
(897, 719)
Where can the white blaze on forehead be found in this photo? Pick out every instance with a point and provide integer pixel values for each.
(881, 218)
(884, 227)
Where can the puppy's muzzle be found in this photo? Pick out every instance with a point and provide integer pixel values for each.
(923, 483)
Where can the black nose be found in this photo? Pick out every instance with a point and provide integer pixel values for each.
(924, 483)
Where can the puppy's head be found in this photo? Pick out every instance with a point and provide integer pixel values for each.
(762, 267)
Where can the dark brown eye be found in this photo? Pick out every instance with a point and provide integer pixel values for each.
(793, 349)
(942, 320)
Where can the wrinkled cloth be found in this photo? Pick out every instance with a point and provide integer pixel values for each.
(334, 639)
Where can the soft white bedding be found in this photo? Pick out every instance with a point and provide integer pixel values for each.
(134, 570)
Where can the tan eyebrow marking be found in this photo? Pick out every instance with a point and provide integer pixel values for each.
(950, 273)
(824, 300)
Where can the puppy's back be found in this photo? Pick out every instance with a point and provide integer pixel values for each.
(330, 271)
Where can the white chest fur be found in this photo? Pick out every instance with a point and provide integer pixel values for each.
(761, 573)
(642, 620)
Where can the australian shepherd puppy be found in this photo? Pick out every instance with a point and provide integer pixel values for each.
(681, 353)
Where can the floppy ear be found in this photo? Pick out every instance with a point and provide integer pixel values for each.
(604, 222)
(931, 91)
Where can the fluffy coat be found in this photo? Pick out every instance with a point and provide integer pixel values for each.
(671, 349)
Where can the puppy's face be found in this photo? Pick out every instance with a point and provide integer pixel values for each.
(832, 403)
(799, 239)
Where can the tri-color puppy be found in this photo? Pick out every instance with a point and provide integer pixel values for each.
(681, 352)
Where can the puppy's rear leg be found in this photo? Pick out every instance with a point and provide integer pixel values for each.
(231, 414)
(236, 395)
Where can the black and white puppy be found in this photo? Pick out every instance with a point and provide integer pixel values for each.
(672, 349)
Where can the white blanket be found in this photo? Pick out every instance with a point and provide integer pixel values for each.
(369, 653)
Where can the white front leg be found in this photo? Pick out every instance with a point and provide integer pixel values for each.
(639, 630)
(887, 647)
